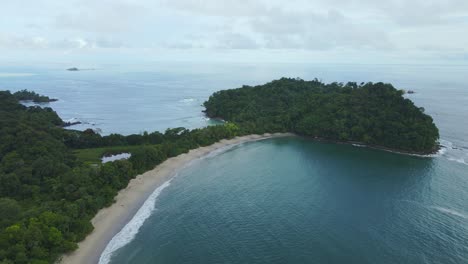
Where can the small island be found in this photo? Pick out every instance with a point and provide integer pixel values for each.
(374, 114)
(25, 95)
(73, 69)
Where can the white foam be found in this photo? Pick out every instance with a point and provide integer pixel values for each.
(120, 156)
(72, 120)
(452, 152)
(446, 143)
(128, 233)
(441, 151)
(459, 160)
(130, 230)
(359, 145)
(450, 211)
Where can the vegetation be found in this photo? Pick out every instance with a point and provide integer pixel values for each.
(48, 195)
(24, 95)
(52, 183)
(372, 113)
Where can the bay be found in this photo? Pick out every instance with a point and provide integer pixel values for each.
(283, 200)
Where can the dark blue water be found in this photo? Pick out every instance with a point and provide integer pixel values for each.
(282, 200)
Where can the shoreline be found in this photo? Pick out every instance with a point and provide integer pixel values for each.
(110, 220)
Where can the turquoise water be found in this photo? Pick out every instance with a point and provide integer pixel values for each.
(282, 200)
(295, 201)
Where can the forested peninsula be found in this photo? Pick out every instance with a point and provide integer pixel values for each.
(374, 114)
(51, 186)
(25, 95)
(52, 182)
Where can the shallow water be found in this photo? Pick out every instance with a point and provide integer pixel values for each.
(281, 200)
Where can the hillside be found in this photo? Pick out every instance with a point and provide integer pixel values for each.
(375, 114)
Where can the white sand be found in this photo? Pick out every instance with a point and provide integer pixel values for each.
(109, 221)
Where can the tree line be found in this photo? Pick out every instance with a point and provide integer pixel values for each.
(371, 113)
(48, 197)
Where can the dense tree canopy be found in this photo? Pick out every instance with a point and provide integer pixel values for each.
(372, 113)
(32, 96)
(47, 196)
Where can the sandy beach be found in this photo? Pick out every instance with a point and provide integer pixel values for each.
(109, 221)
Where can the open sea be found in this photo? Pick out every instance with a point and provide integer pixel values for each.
(286, 200)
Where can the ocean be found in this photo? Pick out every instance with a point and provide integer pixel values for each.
(287, 200)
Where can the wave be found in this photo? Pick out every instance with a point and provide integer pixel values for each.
(441, 151)
(82, 121)
(453, 153)
(438, 208)
(73, 120)
(459, 160)
(130, 230)
(450, 211)
(446, 143)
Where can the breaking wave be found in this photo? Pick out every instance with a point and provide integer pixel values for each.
(450, 211)
(453, 153)
(130, 230)
(128, 233)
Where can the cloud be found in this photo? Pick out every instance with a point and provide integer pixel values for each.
(42, 43)
(104, 16)
(310, 30)
(393, 27)
(295, 29)
(227, 8)
(17, 42)
(236, 41)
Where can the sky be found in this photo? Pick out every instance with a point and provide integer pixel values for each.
(319, 31)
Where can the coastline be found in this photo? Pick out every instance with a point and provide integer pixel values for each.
(109, 221)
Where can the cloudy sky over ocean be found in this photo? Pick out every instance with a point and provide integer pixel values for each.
(249, 30)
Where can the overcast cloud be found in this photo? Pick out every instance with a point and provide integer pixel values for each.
(417, 29)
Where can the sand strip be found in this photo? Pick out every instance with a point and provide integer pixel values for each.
(109, 221)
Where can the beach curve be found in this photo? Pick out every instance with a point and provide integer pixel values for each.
(108, 222)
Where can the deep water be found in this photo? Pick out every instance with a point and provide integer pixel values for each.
(296, 201)
(282, 200)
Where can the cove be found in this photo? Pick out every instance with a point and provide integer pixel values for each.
(292, 200)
